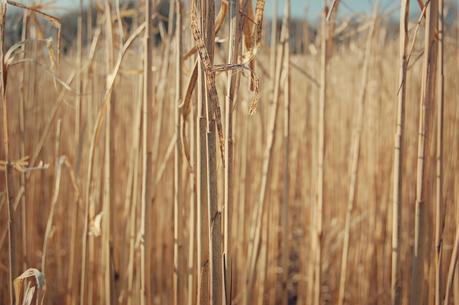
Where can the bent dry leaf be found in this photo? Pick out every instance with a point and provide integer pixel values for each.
(29, 287)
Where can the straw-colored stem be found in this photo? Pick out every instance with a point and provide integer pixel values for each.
(57, 183)
(284, 219)
(233, 47)
(320, 163)
(424, 133)
(146, 154)
(255, 229)
(439, 212)
(354, 157)
(8, 168)
(178, 204)
(398, 157)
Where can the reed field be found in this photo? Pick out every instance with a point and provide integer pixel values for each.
(200, 152)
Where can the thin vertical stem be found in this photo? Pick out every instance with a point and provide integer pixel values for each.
(8, 168)
(214, 215)
(178, 275)
(233, 48)
(439, 218)
(106, 218)
(286, 174)
(354, 157)
(146, 152)
(398, 156)
(426, 102)
(320, 161)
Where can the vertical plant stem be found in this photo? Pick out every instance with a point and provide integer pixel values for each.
(106, 217)
(214, 215)
(398, 157)
(354, 160)
(8, 168)
(57, 182)
(178, 242)
(285, 253)
(233, 48)
(320, 161)
(439, 213)
(201, 173)
(22, 135)
(255, 229)
(426, 103)
(146, 153)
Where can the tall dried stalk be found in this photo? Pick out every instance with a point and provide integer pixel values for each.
(146, 152)
(286, 154)
(178, 204)
(317, 240)
(272, 56)
(201, 198)
(135, 183)
(439, 212)
(257, 217)
(22, 99)
(424, 133)
(354, 159)
(398, 156)
(213, 120)
(57, 183)
(8, 168)
(106, 217)
(452, 268)
(192, 208)
(233, 48)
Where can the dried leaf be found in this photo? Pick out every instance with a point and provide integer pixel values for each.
(29, 287)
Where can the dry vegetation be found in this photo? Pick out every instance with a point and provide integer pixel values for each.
(136, 172)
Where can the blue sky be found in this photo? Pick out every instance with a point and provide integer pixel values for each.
(298, 6)
(314, 7)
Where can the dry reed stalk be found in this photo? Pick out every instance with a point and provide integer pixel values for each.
(22, 135)
(146, 152)
(255, 229)
(178, 274)
(317, 243)
(219, 21)
(192, 217)
(201, 198)
(57, 183)
(272, 55)
(106, 205)
(284, 219)
(452, 268)
(135, 186)
(206, 53)
(206, 56)
(426, 102)
(79, 89)
(398, 156)
(8, 168)
(439, 210)
(240, 262)
(87, 209)
(354, 157)
(95, 133)
(233, 48)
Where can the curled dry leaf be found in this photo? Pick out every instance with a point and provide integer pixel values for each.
(29, 287)
(95, 228)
